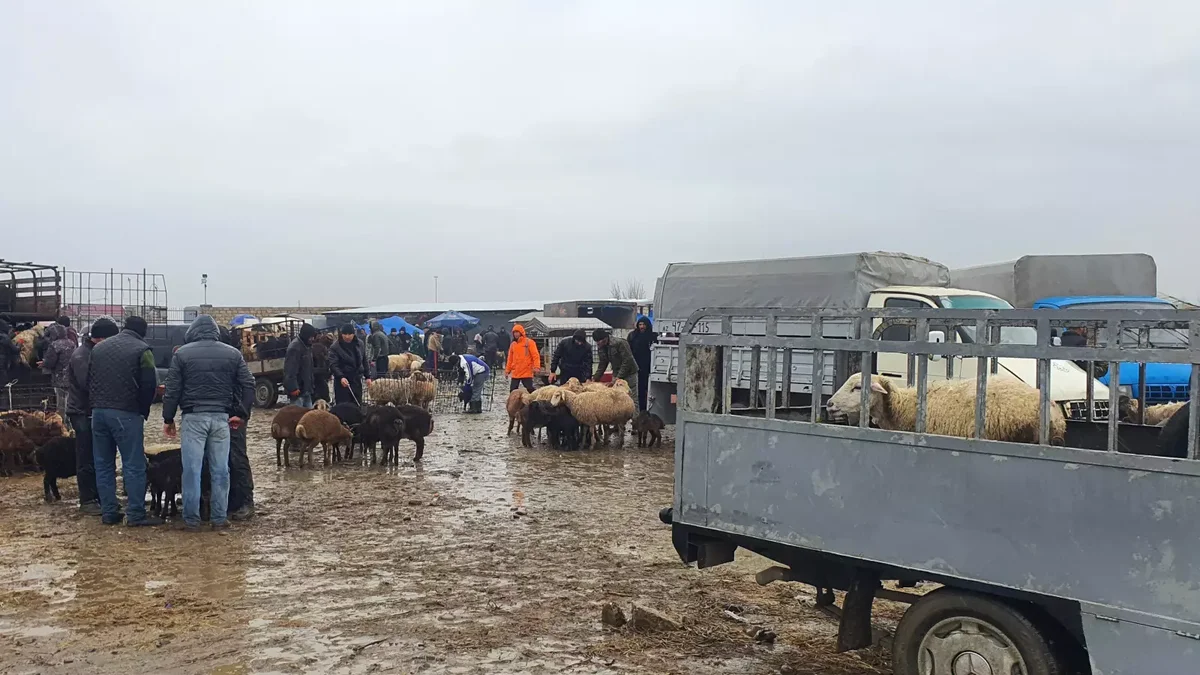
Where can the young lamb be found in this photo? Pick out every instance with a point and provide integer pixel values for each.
(164, 476)
(1012, 408)
(283, 430)
(320, 426)
(15, 449)
(514, 405)
(562, 428)
(57, 459)
(648, 425)
(351, 416)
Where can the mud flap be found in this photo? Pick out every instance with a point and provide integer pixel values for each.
(854, 630)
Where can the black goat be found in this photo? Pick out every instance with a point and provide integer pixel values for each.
(648, 425)
(57, 459)
(418, 424)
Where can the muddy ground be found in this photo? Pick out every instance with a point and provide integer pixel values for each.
(419, 569)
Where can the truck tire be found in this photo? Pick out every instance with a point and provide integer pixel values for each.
(266, 394)
(952, 631)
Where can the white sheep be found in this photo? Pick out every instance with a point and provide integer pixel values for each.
(604, 410)
(1156, 415)
(1012, 408)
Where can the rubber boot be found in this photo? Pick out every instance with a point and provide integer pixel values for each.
(476, 407)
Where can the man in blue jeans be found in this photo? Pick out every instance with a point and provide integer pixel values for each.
(121, 386)
(211, 383)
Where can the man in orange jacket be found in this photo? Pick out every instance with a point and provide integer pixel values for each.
(523, 359)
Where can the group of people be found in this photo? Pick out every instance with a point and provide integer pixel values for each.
(629, 358)
(105, 385)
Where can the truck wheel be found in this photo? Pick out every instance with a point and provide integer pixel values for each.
(266, 394)
(951, 632)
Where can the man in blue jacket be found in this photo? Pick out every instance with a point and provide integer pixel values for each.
(211, 383)
(121, 387)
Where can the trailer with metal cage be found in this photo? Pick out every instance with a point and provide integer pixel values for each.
(1051, 560)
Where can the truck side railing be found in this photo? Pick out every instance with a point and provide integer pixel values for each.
(987, 346)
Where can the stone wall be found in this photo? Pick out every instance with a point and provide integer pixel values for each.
(224, 314)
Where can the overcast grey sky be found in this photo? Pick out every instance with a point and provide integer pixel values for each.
(344, 153)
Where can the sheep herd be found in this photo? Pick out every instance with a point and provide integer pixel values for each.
(577, 415)
(345, 426)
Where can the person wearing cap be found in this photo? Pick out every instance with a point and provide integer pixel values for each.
(347, 360)
(616, 352)
(298, 368)
(79, 411)
(572, 358)
(121, 388)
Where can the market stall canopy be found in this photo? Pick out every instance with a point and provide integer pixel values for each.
(396, 322)
(452, 319)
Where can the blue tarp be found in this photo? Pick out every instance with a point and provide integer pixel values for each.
(396, 322)
(452, 319)
(242, 318)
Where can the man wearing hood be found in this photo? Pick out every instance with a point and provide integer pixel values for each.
(10, 353)
(79, 409)
(641, 341)
(211, 384)
(121, 388)
(348, 362)
(56, 358)
(298, 368)
(378, 349)
(523, 360)
(491, 343)
(403, 340)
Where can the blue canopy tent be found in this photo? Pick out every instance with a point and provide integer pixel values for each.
(242, 318)
(396, 322)
(452, 319)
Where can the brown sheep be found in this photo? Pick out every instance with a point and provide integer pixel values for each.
(1156, 415)
(15, 449)
(514, 406)
(319, 426)
(283, 430)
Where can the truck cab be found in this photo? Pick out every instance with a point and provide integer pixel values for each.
(1068, 382)
(1165, 382)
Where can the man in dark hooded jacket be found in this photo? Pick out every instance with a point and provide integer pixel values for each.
(121, 387)
(378, 349)
(10, 353)
(56, 358)
(641, 341)
(572, 358)
(210, 382)
(241, 479)
(79, 409)
(298, 368)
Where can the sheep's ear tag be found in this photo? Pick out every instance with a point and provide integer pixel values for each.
(875, 386)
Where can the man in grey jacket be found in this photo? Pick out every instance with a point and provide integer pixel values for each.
(211, 383)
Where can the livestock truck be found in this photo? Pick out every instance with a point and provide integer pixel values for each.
(1046, 560)
(1115, 281)
(850, 282)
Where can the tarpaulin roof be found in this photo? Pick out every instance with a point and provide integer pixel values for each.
(834, 281)
(452, 319)
(1034, 277)
(396, 322)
